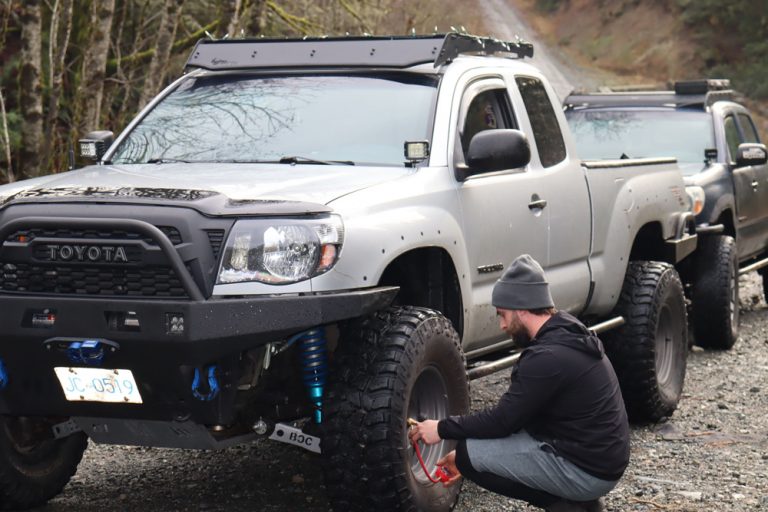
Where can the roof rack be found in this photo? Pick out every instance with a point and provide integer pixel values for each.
(391, 51)
(648, 99)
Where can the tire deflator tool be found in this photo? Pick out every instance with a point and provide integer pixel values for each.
(441, 474)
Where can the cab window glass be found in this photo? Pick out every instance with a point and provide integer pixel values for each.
(748, 129)
(489, 110)
(731, 137)
(546, 130)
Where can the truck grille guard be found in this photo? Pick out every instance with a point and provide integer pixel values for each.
(181, 273)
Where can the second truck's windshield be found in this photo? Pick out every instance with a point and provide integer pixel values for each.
(611, 134)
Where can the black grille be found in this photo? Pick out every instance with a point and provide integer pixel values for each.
(216, 238)
(91, 278)
(151, 281)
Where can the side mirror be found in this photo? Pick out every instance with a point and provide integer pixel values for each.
(497, 150)
(751, 153)
(95, 144)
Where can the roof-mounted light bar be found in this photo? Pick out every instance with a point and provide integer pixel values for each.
(702, 86)
(391, 52)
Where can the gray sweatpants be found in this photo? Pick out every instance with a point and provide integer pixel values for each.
(523, 459)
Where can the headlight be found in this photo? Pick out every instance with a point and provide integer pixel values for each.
(696, 198)
(281, 251)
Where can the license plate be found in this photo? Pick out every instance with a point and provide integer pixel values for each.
(98, 385)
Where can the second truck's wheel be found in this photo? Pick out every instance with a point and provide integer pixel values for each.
(650, 351)
(399, 363)
(35, 467)
(715, 293)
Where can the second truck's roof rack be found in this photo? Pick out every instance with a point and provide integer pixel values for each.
(392, 51)
(686, 94)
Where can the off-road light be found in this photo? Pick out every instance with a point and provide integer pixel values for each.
(417, 150)
(174, 323)
(95, 144)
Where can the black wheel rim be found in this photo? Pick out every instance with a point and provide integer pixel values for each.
(428, 400)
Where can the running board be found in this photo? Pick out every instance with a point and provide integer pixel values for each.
(755, 266)
(504, 363)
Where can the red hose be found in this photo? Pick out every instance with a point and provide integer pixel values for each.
(442, 475)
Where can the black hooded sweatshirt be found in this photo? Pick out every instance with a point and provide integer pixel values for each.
(563, 392)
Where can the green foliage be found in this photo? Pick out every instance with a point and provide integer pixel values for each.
(548, 6)
(735, 34)
(14, 130)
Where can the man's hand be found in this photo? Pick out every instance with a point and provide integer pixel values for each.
(449, 464)
(424, 430)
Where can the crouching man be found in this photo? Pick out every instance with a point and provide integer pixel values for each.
(558, 438)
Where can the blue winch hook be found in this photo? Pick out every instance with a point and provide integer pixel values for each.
(213, 384)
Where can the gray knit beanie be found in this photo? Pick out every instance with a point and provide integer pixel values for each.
(522, 286)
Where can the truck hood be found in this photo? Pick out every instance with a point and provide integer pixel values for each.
(233, 185)
(690, 169)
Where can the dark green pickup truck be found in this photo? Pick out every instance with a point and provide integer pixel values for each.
(720, 153)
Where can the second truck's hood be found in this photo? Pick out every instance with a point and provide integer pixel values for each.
(319, 184)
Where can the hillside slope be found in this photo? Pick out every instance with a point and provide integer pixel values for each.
(631, 42)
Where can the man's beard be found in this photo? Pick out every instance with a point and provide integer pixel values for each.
(519, 333)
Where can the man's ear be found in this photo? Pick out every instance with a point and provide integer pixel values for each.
(524, 315)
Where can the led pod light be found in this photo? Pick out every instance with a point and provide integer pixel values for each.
(281, 251)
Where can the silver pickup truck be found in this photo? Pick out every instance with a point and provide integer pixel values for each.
(298, 240)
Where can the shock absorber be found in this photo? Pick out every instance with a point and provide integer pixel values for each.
(313, 354)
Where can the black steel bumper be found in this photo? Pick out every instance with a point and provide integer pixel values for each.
(162, 360)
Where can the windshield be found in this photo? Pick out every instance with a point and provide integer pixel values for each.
(604, 135)
(363, 119)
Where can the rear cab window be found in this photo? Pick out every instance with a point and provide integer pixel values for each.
(546, 129)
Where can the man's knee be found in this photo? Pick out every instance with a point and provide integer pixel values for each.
(462, 459)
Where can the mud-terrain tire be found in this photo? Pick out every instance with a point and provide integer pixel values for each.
(35, 468)
(715, 293)
(399, 363)
(650, 351)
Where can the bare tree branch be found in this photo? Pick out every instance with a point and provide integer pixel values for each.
(159, 63)
(6, 140)
(297, 23)
(95, 63)
(57, 51)
(145, 55)
(347, 7)
(31, 89)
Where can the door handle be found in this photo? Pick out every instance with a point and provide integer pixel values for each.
(537, 204)
(755, 184)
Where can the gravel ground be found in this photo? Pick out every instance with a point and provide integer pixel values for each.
(711, 455)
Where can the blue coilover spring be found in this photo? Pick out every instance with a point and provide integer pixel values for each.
(313, 354)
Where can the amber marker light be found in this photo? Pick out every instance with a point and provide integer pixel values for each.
(327, 257)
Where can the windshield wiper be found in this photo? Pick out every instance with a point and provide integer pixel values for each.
(166, 161)
(304, 160)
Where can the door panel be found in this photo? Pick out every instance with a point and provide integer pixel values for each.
(747, 188)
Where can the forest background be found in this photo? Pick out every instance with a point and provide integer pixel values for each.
(72, 66)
